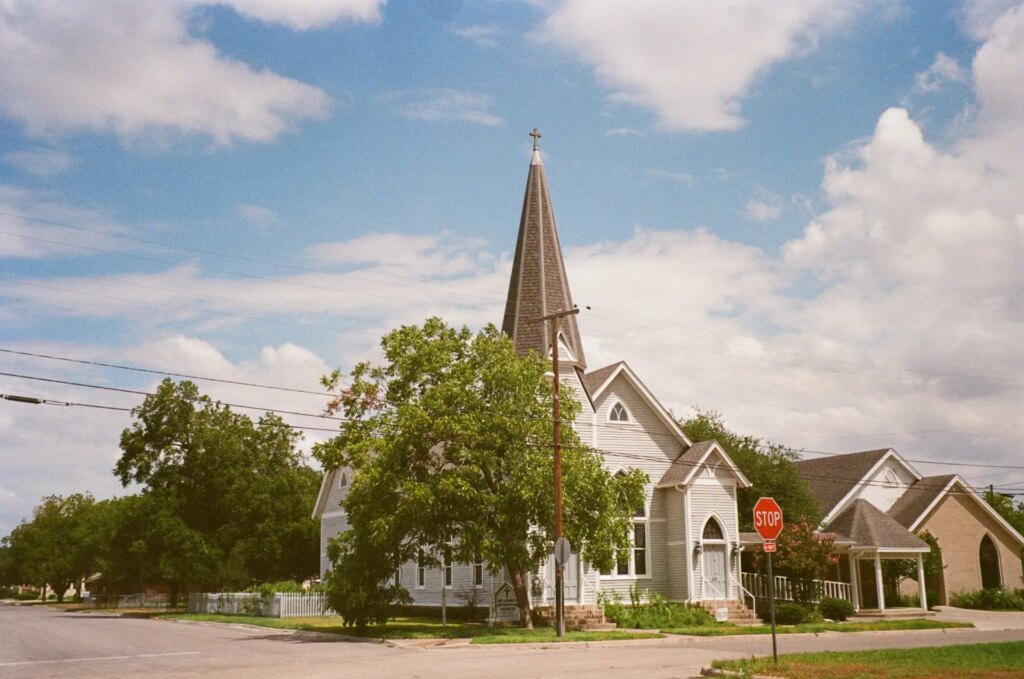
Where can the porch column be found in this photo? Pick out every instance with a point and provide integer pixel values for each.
(922, 594)
(854, 584)
(879, 587)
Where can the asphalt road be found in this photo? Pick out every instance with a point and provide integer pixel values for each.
(43, 642)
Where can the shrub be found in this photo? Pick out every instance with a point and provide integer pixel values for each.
(27, 595)
(914, 602)
(657, 613)
(787, 613)
(835, 609)
(991, 599)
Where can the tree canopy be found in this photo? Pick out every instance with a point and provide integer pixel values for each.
(450, 439)
(768, 467)
(226, 501)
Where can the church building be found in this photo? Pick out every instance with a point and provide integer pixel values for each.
(685, 539)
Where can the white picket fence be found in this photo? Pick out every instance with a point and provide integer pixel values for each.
(280, 605)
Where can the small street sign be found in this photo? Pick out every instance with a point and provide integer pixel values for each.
(769, 547)
(767, 518)
(562, 551)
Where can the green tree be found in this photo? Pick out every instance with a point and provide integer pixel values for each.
(768, 467)
(229, 500)
(450, 442)
(895, 571)
(54, 548)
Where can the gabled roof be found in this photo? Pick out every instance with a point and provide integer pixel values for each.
(916, 509)
(869, 528)
(919, 497)
(832, 479)
(538, 285)
(325, 490)
(596, 382)
(685, 467)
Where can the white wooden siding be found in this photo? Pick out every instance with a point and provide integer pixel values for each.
(877, 493)
(331, 524)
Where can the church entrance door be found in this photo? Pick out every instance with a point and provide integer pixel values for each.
(715, 576)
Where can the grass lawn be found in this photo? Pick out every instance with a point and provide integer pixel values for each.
(416, 628)
(950, 662)
(877, 626)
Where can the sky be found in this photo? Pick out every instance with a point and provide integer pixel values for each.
(806, 216)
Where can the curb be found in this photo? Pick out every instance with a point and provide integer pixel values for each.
(715, 672)
(242, 625)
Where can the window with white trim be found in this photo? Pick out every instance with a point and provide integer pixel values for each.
(889, 480)
(618, 413)
(421, 570)
(343, 480)
(446, 564)
(633, 562)
(478, 570)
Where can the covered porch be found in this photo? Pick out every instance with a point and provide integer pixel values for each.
(864, 539)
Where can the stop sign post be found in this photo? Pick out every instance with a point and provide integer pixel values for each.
(768, 524)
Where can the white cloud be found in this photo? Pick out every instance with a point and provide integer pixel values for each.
(437, 104)
(257, 214)
(41, 162)
(623, 132)
(683, 178)
(943, 70)
(131, 67)
(482, 36)
(305, 14)
(31, 227)
(690, 62)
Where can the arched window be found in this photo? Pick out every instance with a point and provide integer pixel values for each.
(713, 530)
(890, 480)
(989, 558)
(618, 413)
(343, 480)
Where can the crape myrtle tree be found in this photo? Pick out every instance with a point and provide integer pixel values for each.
(226, 501)
(450, 441)
(803, 556)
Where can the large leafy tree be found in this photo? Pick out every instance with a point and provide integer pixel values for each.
(803, 556)
(450, 438)
(227, 500)
(55, 548)
(768, 467)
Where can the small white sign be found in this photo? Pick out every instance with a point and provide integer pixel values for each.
(506, 608)
(722, 614)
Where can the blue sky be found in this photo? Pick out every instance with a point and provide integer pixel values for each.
(807, 217)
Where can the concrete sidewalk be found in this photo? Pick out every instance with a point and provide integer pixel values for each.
(983, 620)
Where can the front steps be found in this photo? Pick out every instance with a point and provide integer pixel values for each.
(738, 613)
(578, 617)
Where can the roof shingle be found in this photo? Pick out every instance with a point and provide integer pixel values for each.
(832, 478)
(917, 498)
(867, 526)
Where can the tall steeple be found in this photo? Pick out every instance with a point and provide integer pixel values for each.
(539, 285)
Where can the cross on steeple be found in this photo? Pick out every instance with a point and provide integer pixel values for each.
(536, 139)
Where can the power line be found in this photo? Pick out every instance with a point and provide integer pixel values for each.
(148, 393)
(765, 446)
(163, 372)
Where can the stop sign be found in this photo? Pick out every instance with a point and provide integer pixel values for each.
(767, 518)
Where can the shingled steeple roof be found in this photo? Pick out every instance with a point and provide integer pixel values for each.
(539, 285)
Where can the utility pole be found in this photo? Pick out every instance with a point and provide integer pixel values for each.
(554, 318)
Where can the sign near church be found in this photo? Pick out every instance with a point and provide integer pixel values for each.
(506, 608)
(767, 518)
